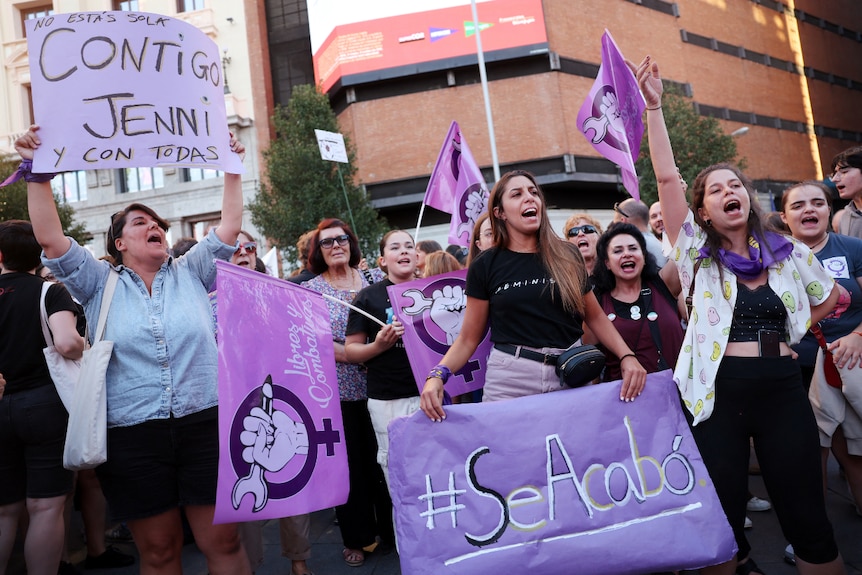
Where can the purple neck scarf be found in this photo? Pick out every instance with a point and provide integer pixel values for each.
(751, 267)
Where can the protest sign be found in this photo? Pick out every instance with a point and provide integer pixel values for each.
(281, 438)
(431, 310)
(611, 117)
(331, 146)
(457, 187)
(127, 89)
(544, 483)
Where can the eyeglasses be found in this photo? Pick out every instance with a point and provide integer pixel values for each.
(249, 247)
(327, 243)
(587, 229)
(619, 211)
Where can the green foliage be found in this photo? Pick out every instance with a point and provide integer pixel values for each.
(13, 203)
(303, 189)
(697, 142)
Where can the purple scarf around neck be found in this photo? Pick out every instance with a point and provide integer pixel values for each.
(779, 247)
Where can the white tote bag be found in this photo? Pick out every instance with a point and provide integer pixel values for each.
(86, 435)
(64, 371)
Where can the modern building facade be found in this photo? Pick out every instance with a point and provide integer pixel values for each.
(790, 72)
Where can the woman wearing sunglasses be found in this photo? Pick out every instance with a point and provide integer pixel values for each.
(639, 299)
(583, 230)
(162, 376)
(334, 255)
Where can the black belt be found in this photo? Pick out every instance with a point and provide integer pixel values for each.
(520, 351)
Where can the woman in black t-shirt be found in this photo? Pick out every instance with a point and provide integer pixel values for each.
(533, 287)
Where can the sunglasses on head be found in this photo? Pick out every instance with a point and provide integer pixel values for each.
(619, 211)
(586, 228)
(327, 243)
(249, 247)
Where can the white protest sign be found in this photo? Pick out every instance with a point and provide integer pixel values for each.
(331, 146)
(127, 89)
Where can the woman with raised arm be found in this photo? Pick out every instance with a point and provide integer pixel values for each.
(534, 288)
(162, 376)
(756, 293)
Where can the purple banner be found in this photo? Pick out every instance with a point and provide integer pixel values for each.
(281, 438)
(457, 187)
(431, 310)
(565, 482)
(127, 89)
(611, 117)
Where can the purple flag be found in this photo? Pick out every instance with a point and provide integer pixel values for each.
(281, 438)
(611, 117)
(543, 483)
(431, 310)
(457, 187)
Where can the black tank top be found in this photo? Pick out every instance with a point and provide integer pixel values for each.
(756, 309)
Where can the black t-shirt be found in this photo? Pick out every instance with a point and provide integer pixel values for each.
(519, 291)
(21, 341)
(389, 374)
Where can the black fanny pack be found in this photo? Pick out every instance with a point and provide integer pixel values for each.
(579, 365)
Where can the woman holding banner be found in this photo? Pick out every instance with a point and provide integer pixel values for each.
(377, 342)
(534, 288)
(162, 376)
(334, 256)
(756, 292)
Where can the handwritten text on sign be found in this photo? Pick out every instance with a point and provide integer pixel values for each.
(541, 483)
(125, 89)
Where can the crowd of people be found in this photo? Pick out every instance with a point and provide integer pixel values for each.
(761, 326)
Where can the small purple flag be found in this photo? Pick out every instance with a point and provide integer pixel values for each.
(457, 187)
(281, 437)
(431, 310)
(574, 481)
(611, 117)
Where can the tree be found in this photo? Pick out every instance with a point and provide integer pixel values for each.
(301, 189)
(13, 203)
(697, 142)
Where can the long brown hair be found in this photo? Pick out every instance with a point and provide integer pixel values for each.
(562, 261)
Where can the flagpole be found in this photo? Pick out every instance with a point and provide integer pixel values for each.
(484, 77)
(346, 201)
(419, 222)
(354, 308)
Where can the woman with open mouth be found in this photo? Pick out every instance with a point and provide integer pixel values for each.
(162, 378)
(583, 230)
(639, 299)
(837, 404)
(534, 289)
(756, 292)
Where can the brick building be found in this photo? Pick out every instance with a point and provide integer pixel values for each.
(790, 72)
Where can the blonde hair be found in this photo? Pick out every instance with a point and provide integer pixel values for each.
(573, 220)
(441, 262)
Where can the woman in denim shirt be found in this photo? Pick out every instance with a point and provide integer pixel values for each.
(161, 380)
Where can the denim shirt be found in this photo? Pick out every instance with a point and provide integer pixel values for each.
(165, 360)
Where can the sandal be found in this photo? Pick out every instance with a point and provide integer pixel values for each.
(748, 568)
(353, 557)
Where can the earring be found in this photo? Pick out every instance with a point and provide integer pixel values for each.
(708, 222)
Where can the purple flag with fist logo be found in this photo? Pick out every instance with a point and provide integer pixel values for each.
(457, 187)
(611, 118)
(574, 481)
(281, 438)
(431, 310)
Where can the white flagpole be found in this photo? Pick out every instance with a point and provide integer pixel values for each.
(484, 77)
(419, 222)
(354, 308)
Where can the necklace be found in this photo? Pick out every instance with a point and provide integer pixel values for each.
(820, 243)
(351, 285)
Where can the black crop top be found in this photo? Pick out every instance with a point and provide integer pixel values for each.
(756, 309)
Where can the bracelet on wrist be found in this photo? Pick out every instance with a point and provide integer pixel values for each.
(25, 171)
(440, 371)
(857, 332)
(627, 355)
(656, 108)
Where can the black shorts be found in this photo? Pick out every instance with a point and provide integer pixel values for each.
(161, 464)
(32, 435)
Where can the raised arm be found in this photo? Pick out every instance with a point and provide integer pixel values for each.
(671, 193)
(231, 203)
(40, 202)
